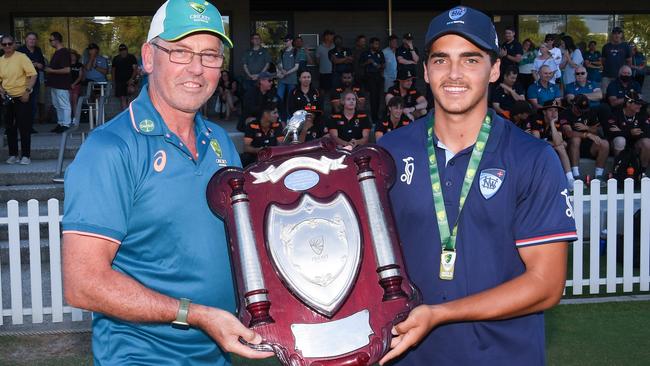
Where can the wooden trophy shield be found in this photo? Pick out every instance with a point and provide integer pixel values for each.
(317, 260)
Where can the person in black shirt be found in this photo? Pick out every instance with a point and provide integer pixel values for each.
(77, 75)
(262, 94)
(415, 104)
(520, 115)
(407, 55)
(305, 97)
(508, 92)
(341, 58)
(349, 128)
(35, 54)
(374, 62)
(265, 131)
(347, 83)
(629, 127)
(581, 127)
(548, 129)
(511, 51)
(395, 118)
(124, 71)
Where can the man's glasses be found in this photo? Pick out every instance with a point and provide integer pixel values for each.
(581, 73)
(51, 39)
(7, 44)
(179, 56)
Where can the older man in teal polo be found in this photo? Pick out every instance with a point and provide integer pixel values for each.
(141, 248)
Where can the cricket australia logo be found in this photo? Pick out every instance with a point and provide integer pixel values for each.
(490, 182)
(457, 13)
(197, 7)
(409, 167)
(569, 210)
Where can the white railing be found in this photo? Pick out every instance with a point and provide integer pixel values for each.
(11, 222)
(595, 212)
(609, 210)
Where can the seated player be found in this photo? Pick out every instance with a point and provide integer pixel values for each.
(507, 93)
(395, 119)
(543, 90)
(415, 104)
(581, 127)
(349, 128)
(347, 83)
(619, 87)
(583, 86)
(255, 98)
(629, 127)
(548, 129)
(305, 97)
(520, 115)
(263, 132)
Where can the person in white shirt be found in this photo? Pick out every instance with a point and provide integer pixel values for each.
(545, 59)
(572, 60)
(553, 44)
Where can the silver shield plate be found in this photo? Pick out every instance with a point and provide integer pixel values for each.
(316, 247)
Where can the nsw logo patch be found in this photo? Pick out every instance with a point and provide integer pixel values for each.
(490, 181)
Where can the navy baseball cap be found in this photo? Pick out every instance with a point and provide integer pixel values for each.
(466, 22)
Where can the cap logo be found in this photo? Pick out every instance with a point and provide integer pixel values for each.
(197, 7)
(457, 13)
(146, 125)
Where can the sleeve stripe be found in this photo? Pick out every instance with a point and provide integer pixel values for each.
(85, 233)
(570, 236)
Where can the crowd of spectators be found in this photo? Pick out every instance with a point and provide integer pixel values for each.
(26, 75)
(585, 102)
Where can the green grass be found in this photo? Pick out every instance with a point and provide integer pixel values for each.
(611, 334)
(607, 334)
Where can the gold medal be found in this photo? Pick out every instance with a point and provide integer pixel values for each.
(447, 262)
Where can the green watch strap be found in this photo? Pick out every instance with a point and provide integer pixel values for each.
(181, 315)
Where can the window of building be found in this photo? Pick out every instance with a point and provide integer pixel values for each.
(108, 32)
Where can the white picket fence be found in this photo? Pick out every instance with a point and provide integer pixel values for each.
(603, 210)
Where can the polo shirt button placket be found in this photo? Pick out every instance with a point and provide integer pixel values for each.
(448, 183)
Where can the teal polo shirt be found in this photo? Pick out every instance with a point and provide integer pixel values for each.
(133, 182)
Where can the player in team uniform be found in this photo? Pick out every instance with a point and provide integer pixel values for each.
(415, 104)
(347, 83)
(483, 213)
(581, 126)
(630, 127)
(349, 128)
(394, 120)
(265, 131)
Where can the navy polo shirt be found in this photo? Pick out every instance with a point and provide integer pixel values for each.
(134, 183)
(537, 91)
(618, 90)
(518, 198)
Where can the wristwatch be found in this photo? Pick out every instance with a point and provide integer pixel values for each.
(181, 315)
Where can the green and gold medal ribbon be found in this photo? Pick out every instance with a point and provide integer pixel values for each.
(447, 239)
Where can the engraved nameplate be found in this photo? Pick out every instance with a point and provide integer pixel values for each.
(334, 338)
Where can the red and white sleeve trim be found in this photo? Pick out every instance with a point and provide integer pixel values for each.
(84, 233)
(568, 236)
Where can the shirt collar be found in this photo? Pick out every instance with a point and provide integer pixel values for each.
(496, 131)
(146, 120)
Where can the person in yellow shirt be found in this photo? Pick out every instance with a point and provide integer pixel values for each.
(17, 78)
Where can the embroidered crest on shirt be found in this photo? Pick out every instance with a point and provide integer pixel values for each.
(409, 167)
(159, 161)
(490, 181)
(146, 125)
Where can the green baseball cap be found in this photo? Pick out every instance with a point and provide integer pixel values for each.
(176, 19)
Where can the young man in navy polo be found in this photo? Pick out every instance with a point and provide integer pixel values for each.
(488, 255)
